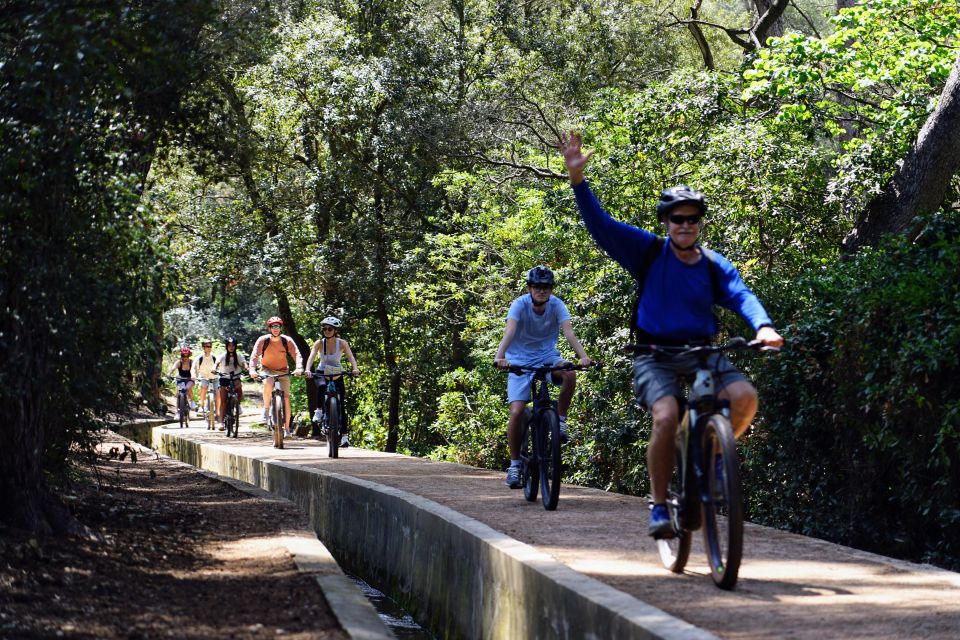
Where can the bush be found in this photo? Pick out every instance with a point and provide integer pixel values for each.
(860, 437)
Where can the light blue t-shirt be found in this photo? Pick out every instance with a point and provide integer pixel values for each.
(537, 334)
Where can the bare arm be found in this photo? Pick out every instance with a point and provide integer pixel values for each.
(567, 328)
(353, 361)
(509, 331)
(313, 354)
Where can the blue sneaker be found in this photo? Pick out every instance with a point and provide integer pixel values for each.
(564, 434)
(513, 477)
(660, 526)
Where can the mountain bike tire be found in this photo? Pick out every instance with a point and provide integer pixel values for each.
(529, 471)
(549, 459)
(210, 405)
(276, 410)
(235, 415)
(723, 512)
(674, 552)
(183, 408)
(332, 416)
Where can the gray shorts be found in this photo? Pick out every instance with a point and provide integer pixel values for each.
(655, 377)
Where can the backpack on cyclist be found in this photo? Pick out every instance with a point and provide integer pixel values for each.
(646, 261)
(266, 343)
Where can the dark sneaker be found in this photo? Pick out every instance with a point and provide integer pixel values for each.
(660, 526)
(513, 477)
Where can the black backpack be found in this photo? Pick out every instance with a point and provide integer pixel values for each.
(283, 341)
(646, 261)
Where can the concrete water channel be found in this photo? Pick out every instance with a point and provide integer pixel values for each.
(467, 558)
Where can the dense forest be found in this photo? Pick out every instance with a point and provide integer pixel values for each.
(179, 170)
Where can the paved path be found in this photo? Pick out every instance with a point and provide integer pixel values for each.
(790, 586)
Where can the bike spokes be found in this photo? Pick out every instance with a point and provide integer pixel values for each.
(723, 505)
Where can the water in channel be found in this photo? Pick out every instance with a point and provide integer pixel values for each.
(399, 621)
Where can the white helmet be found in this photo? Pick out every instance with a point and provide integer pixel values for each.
(330, 320)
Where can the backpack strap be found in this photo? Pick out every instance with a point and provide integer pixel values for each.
(646, 261)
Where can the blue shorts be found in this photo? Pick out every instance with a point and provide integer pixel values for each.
(518, 385)
(655, 378)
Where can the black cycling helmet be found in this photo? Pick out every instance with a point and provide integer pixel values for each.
(230, 341)
(540, 275)
(678, 195)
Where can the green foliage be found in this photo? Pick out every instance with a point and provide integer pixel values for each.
(86, 90)
(872, 82)
(860, 441)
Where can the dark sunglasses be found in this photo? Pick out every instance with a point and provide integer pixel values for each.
(678, 219)
(327, 329)
(276, 326)
(541, 287)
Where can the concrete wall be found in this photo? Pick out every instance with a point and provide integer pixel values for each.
(458, 577)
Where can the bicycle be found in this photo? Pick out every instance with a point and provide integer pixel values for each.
(329, 424)
(540, 438)
(210, 403)
(277, 412)
(183, 402)
(705, 489)
(231, 406)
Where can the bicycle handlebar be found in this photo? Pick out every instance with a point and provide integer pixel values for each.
(567, 366)
(736, 343)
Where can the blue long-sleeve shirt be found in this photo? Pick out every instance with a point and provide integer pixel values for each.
(677, 298)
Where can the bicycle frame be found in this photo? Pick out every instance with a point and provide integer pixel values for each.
(276, 394)
(540, 437)
(330, 397)
(705, 490)
(231, 422)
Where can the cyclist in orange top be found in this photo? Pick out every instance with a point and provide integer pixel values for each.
(271, 353)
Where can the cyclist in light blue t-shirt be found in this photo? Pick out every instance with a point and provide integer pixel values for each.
(530, 339)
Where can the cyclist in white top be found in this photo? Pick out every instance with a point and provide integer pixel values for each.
(203, 370)
(232, 361)
(332, 346)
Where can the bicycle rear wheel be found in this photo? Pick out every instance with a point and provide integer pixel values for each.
(332, 416)
(183, 408)
(276, 410)
(529, 471)
(723, 511)
(674, 552)
(549, 459)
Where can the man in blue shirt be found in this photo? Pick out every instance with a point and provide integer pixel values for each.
(530, 340)
(679, 290)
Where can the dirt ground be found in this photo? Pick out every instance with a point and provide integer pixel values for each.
(171, 554)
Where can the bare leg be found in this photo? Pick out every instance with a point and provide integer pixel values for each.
(743, 405)
(660, 449)
(514, 428)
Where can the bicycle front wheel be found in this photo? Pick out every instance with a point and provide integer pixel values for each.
(210, 405)
(183, 408)
(723, 509)
(332, 416)
(675, 551)
(529, 470)
(276, 410)
(235, 415)
(549, 459)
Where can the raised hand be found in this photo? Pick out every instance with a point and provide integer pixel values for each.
(571, 147)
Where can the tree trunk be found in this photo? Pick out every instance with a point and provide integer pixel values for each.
(921, 182)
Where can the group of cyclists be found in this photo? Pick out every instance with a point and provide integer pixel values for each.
(269, 359)
(678, 282)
